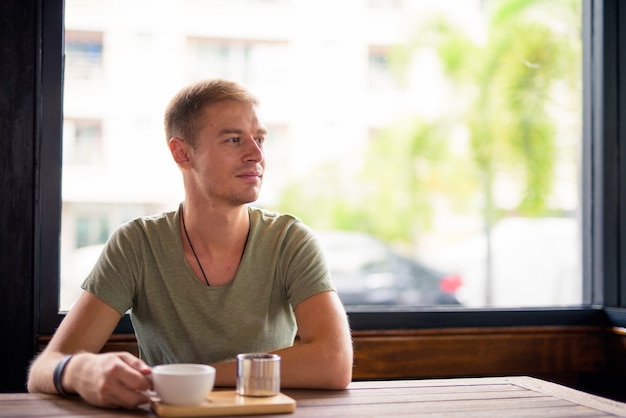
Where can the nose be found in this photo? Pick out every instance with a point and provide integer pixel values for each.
(254, 150)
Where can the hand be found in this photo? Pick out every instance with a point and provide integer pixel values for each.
(109, 379)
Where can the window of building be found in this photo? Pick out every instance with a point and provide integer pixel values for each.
(253, 62)
(84, 54)
(82, 143)
(380, 73)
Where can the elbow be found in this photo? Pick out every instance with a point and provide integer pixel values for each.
(340, 381)
(340, 373)
(31, 385)
(36, 381)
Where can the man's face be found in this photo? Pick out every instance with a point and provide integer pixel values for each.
(228, 158)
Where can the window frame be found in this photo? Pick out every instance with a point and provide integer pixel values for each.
(603, 107)
(603, 206)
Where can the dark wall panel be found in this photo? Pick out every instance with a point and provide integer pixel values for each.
(18, 75)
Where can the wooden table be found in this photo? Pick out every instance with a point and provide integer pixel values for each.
(479, 397)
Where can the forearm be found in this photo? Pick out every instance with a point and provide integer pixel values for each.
(316, 365)
(225, 373)
(43, 369)
(304, 365)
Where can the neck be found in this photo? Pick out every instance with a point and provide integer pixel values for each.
(216, 230)
(213, 244)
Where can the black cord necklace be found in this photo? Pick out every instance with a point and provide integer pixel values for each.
(182, 216)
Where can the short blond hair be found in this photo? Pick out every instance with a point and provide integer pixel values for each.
(184, 110)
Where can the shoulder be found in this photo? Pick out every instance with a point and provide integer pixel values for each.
(157, 221)
(148, 228)
(268, 222)
(284, 233)
(269, 216)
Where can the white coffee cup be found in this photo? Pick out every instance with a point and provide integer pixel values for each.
(183, 383)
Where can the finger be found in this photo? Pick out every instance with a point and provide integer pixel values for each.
(135, 362)
(113, 393)
(129, 373)
(135, 380)
(120, 394)
(129, 399)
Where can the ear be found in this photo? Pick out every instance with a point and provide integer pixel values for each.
(180, 151)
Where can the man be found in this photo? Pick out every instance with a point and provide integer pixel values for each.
(213, 279)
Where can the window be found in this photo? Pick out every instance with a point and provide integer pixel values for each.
(338, 123)
(380, 73)
(468, 195)
(83, 51)
(82, 143)
(253, 62)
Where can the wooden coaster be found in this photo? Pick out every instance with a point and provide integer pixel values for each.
(227, 402)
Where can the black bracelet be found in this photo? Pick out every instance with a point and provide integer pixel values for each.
(57, 377)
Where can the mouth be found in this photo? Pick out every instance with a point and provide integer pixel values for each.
(251, 175)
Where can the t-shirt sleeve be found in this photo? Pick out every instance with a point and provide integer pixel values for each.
(306, 270)
(113, 277)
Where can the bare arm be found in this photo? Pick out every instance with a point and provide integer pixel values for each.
(111, 379)
(322, 359)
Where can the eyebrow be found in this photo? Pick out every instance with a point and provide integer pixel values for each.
(227, 131)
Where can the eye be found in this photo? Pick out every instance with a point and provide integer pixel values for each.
(234, 140)
(260, 140)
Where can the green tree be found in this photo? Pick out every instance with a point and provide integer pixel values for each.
(507, 82)
(511, 81)
(407, 165)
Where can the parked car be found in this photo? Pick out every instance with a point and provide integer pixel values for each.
(367, 271)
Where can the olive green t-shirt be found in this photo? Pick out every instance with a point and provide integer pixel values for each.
(178, 319)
